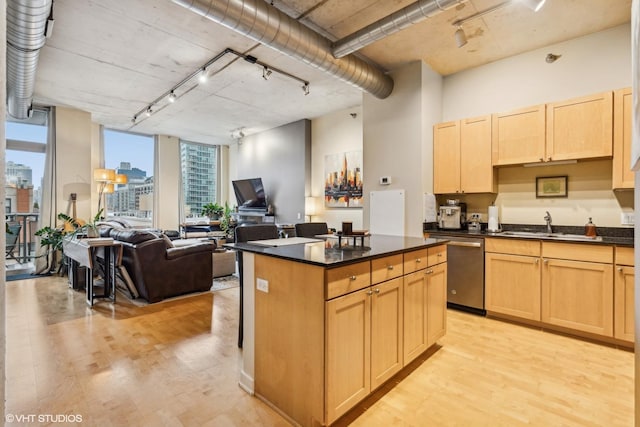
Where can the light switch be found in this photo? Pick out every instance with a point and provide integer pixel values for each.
(627, 218)
(262, 285)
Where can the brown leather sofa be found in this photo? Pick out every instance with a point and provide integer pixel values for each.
(160, 270)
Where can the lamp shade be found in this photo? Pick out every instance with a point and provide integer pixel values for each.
(309, 206)
(108, 189)
(121, 179)
(104, 175)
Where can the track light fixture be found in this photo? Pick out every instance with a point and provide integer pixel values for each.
(200, 76)
(266, 72)
(460, 36)
(534, 5)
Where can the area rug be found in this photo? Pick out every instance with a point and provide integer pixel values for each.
(218, 284)
(225, 282)
(26, 276)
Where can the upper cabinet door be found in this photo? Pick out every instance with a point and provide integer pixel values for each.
(446, 158)
(476, 170)
(580, 128)
(622, 173)
(519, 136)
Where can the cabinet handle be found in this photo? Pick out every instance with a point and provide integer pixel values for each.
(352, 278)
(620, 269)
(439, 254)
(537, 261)
(369, 292)
(418, 260)
(428, 272)
(390, 267)
(546, 261)
(548, 159)
(377, 291)
(541, 159)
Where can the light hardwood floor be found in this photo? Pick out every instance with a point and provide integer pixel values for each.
(176, 364)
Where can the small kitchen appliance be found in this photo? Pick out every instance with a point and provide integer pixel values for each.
(453, 215)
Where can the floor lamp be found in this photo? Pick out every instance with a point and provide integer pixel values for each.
(106, 179)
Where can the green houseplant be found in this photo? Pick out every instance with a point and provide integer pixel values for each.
(227, 223)
(212, 210)
(53, 238)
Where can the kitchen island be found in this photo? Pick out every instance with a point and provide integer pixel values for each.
(325, 326)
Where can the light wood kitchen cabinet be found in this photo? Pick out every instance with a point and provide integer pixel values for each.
(462, 157)
(577, 287)
(512, 278)
(580, 128)
(519, 136)
(367, 326)
(446, 158)
(386, 331)
(425, 302)
(348, 322)
(512, 285)
(436, 303)
(623, 176)
(624, 295)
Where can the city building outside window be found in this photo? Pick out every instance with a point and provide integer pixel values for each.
(130, 154)
(199, 173)
(24, 170)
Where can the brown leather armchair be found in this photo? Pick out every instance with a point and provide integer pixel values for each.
(161, 271)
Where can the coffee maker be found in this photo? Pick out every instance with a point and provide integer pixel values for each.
(453, 215)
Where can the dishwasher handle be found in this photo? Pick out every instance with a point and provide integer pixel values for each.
(466, 244)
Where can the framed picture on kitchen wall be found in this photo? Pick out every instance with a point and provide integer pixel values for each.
(343, 180)
(551, 186)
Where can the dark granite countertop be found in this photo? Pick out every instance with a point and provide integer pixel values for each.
(325, 253)
(610, 235)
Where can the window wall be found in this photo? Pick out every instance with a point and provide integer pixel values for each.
(199, 172)
(24, 169)
(130, 154)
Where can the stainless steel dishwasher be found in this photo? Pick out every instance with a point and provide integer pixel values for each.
(465, 274)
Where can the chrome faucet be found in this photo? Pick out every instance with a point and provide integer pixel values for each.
(547, 218)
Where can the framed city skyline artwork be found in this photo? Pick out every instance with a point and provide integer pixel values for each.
(343, 180)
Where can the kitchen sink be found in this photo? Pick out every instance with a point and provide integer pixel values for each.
(554, 236)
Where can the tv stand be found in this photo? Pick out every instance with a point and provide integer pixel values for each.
(254, 217)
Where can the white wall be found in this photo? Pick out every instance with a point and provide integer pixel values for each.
(333, 133)
(74, 139)
(591, 64)
(398, 139)
(166, 206)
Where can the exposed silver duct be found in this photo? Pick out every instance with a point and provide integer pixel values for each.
(266, 24)
(391, 24)
(26, 23)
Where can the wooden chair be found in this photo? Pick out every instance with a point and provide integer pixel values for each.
(13, 234)
(311, 229)
(246, 233)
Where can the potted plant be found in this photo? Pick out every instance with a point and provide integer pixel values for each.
(227, 223)
(212, 210)
(53, 238)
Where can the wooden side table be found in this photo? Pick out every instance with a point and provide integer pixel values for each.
(83, 252)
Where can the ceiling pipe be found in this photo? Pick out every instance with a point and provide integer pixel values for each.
(391, 24)
(26, 28)
(259, 21)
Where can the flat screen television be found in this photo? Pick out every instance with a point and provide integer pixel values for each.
(250, 194)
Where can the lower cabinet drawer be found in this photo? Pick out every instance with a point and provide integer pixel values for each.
(346, 279)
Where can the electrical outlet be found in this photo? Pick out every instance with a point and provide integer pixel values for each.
(627, 218)
(262, 285)
(299, 215)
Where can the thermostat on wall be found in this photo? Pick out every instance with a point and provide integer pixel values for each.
(385, 180)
